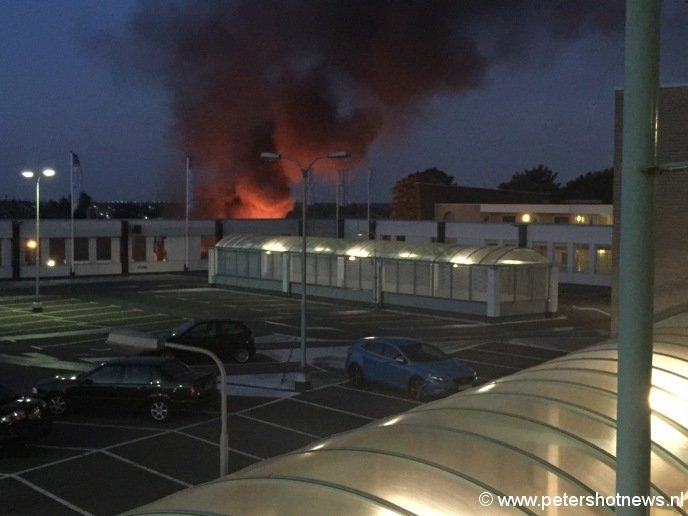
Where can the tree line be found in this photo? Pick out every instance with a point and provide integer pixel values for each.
(594, 186)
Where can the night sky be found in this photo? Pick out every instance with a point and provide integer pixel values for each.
(132, 87)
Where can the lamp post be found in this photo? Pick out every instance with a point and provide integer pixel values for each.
(136, 339)
(376, 266)
(302, 380)
(30, 174)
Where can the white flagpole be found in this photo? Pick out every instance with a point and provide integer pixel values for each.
(371, 171)
(337, 201)
(71, 213)
(186, 224)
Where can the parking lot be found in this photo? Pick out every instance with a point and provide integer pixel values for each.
(108, 463)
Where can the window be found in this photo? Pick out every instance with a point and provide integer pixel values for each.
(375, 347)
(159, 251)
(137, 374)
(603, 259)
(103, 249)
(138, 248)
(508, 218)
(30, 251)
(580, 258)
(109, 373)
(233, 328)
(392, 352)
(81, 249)
(401, 238)
(561, 256)
(561, 219)
(202, 330)
(56, 250)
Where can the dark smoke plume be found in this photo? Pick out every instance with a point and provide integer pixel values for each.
(306, 77)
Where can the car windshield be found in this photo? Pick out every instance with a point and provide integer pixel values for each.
(6, 395)
(422, 352)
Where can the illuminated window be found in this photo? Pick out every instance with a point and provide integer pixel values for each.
(159, 251)
(603, 259)
(580, 258)
(561, 256)
(30, 251)
(56, 250)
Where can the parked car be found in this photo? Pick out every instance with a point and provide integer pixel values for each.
(22, 418)
(423, 369)
(160, 385)
(230, 340)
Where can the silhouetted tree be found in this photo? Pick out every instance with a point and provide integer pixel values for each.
(539, 179)
(593, 186)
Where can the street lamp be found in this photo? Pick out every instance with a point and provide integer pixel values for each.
(302, 381)
(30, 174)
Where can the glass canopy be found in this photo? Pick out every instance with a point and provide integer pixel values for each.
(386, 249)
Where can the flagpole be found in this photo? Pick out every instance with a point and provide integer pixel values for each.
(186, 224)
(71, 213)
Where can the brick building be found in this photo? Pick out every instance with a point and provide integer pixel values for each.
(671, 200)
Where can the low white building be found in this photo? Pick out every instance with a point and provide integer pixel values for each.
(582, 252)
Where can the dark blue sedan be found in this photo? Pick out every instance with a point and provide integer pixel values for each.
(423, 369)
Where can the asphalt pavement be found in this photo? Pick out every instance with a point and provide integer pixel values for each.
(107, 463)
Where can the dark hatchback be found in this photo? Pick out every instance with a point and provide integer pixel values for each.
(159, 385)
(22, 419)
(230, 340)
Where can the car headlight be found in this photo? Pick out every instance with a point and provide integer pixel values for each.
(436, 378)
(14, 417)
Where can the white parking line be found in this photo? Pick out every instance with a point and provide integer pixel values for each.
(50, 495)
(276, 425)
(145, 468)
(379, 394)
(334, 409)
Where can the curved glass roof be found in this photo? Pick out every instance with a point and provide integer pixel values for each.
(546, 431)
(386, 249)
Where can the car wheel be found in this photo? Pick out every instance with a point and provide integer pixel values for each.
(241, 355)
(356, 375)
(417, 388)
(57, 404)
(159, 410)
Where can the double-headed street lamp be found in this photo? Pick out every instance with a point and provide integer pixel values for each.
(302, 380)
(30, 174)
